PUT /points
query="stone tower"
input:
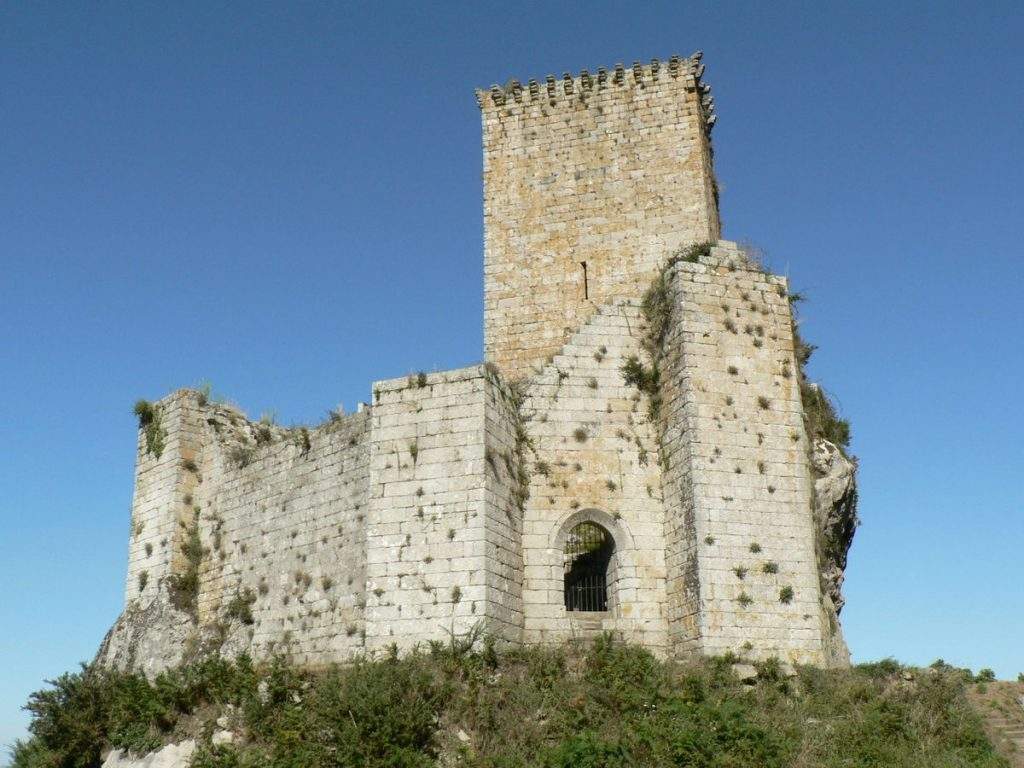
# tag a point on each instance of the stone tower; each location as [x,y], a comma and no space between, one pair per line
[548,494]
[589,181]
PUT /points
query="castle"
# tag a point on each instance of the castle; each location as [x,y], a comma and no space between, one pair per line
[633,456]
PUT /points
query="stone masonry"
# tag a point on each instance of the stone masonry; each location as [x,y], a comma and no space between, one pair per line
[449,505]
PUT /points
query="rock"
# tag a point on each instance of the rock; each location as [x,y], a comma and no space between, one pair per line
[171,756]
[147,638]
[835,513]
[462,736]
[222,737]
[835,502]
[747,673]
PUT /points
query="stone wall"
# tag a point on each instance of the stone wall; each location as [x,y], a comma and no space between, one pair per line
[596,458]
[280,517]
[161,484]
[445,506]
[612,170]
[745,563]
[442,538]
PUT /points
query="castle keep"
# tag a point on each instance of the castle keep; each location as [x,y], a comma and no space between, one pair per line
[633,456]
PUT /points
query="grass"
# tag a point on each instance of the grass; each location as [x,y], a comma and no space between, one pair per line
[240,607]
[607,705]
[150,423]
[647,379]
[184,586]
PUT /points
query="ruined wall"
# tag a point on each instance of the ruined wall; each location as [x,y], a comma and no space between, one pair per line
[161,484]
[279,515]
[445,506]
[442,545]
[282,516]
[596,458]
[611,169]
[736,423]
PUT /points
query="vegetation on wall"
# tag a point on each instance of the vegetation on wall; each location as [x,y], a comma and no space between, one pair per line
[607,705]
[184,585]
[150,423]
[821,417]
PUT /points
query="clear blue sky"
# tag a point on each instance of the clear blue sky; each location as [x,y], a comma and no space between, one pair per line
[286,200]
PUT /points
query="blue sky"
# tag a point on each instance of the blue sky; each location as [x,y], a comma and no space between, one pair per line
[285,200]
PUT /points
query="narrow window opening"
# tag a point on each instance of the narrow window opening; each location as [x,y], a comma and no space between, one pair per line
[588,552]
[586,285]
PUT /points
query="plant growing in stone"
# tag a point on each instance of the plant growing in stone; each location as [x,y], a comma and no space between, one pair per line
[770,567]
[580,435]
[786,595]
[150,423]
[184,586]
[740,571]
[143,580]
[241,455]
[744,599]
[240,607]
[303,441]
[755,547]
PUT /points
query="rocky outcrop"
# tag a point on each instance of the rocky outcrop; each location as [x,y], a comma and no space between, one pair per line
[171,756]
[835,515]
[148,639]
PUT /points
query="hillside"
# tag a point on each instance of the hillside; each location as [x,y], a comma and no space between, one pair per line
[608,704]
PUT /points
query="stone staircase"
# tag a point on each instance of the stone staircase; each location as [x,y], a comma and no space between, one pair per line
[1001,706]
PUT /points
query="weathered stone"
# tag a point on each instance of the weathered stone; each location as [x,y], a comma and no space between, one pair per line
[445,508]
[171,756]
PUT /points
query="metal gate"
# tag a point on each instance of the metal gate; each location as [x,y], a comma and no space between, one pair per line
[588,551]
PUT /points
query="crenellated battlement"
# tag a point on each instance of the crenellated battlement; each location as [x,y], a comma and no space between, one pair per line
[589,181]
[579,89]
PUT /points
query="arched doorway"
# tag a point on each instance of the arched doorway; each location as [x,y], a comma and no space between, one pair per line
[588,553]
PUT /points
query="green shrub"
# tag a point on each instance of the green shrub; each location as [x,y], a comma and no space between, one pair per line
[647,380]
[607,704]
[588,750]
[240,607]
[184,586]
[150,423]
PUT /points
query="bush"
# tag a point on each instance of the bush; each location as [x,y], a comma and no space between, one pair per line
[150,423]
[610,704]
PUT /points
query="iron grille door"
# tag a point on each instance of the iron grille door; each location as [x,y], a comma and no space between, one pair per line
[588,551]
